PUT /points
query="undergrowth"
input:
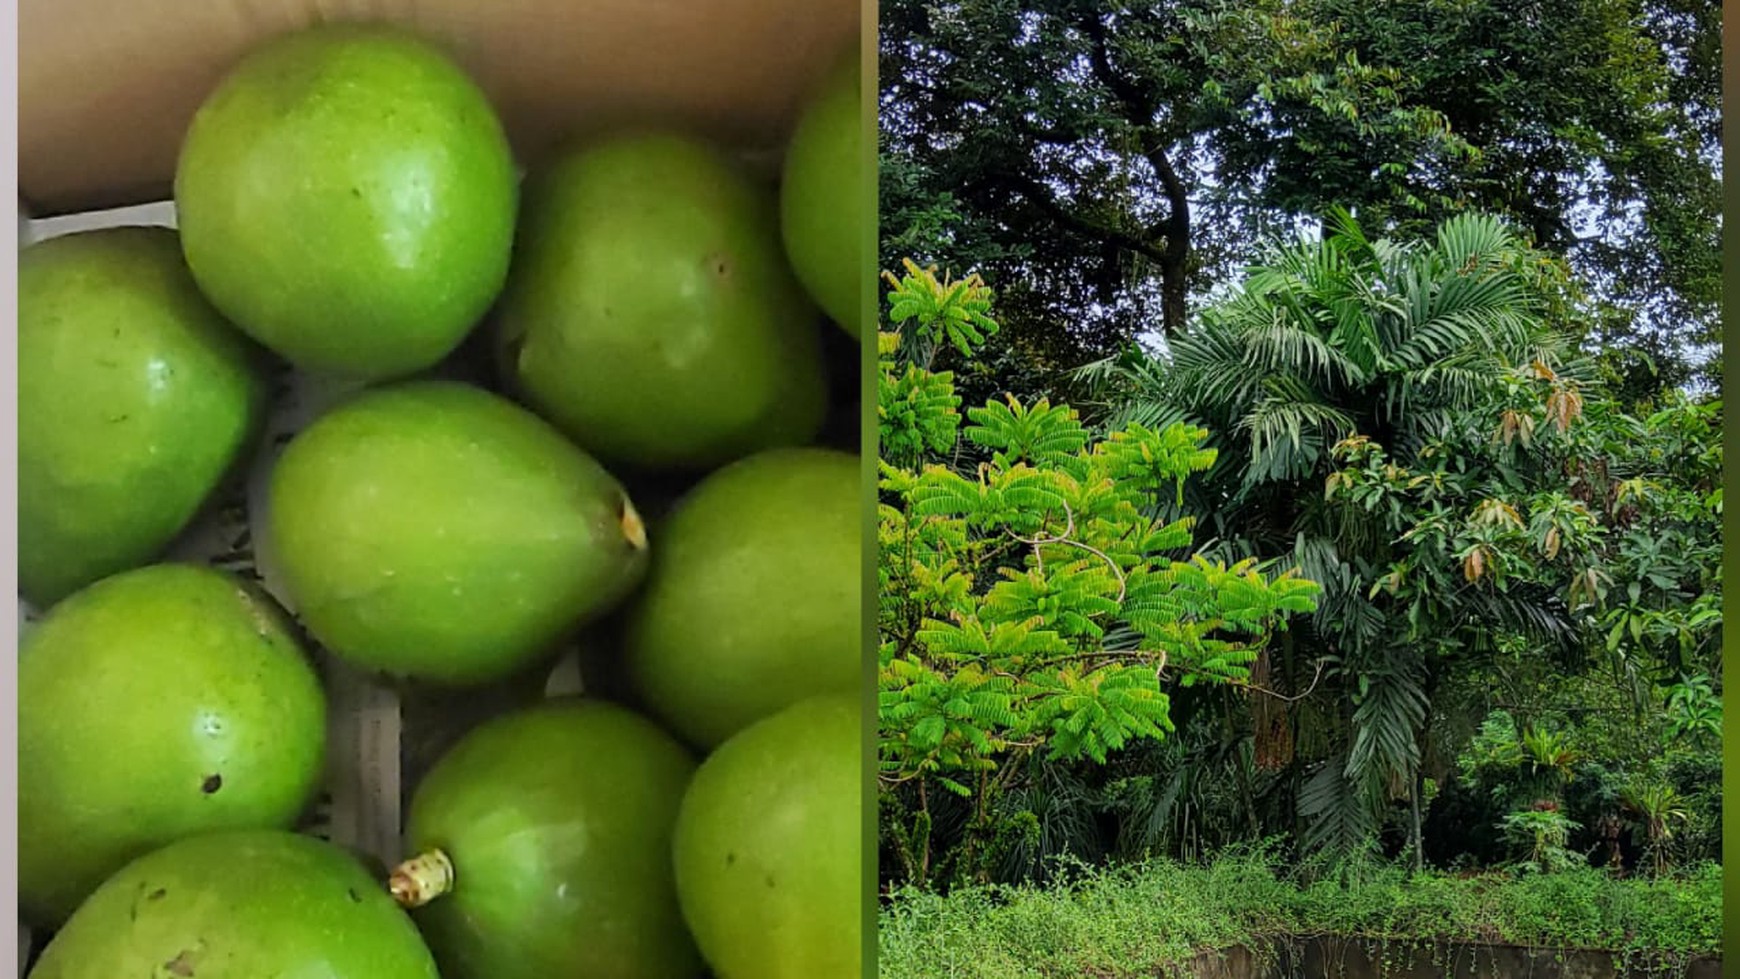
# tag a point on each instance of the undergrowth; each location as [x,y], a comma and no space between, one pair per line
[1151,919]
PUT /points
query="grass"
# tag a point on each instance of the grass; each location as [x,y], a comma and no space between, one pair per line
[1151,919]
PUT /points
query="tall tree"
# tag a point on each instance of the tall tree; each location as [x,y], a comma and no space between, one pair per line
[1104,162]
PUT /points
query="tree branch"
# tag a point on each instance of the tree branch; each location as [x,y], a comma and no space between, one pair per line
[1137,109]
[1063,538]
[1174,228]
[1039,196]
[1283,697]
[1139,112]
[1049,135]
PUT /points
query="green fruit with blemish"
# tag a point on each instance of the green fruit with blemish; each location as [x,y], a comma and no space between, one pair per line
[556,823]
[755,597]
[346,195]
[433,530]
[769,846]
[157,704]
[239,905]
[651,313]
[135,401]
[822,196]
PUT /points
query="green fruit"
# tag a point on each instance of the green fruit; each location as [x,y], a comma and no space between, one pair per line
[755,595]
[434,530]
[239,905]
[769,847]
[135,400]
[154,705]
[822,196]
[347,196]
[651,314]
[557,823]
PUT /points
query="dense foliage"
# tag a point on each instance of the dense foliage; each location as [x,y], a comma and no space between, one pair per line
[1392,547]
[1108,165]
[1036,606]
[1371,561]
[1400,421]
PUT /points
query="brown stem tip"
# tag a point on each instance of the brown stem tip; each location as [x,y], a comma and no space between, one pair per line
[421,879]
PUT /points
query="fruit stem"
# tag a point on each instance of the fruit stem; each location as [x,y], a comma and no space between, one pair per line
[633,528]
[421,879]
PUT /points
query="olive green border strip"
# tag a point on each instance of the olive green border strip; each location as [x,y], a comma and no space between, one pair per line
[1730,579]
[9,509]
[869,230]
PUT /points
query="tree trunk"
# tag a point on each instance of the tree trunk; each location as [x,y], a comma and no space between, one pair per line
[1423,741]
[1175,245]
[1246,798]
[1140,106]
[1250,803]
[1295,774]
[924,853]
[1419,840]
[1172,290]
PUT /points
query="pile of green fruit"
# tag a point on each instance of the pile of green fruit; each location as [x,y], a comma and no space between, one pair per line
[653,316]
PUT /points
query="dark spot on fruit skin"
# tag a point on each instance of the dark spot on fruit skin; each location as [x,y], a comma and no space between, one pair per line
[182,964]
[211,784]
[354,896]
[133,910]
[730,858]
[769,881]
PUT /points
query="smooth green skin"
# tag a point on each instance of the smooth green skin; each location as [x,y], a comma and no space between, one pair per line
[135,400]
[434,530]
[769,847]
[822,196]
[558,820]
[240,905]
[132,695]
[651,314]
[346,195]
[755,594]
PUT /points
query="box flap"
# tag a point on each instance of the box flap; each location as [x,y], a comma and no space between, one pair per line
[106,87]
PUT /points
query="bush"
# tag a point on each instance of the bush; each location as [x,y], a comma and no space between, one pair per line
[1151,918]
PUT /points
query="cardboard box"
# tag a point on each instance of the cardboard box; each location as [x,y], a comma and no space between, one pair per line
[106,89]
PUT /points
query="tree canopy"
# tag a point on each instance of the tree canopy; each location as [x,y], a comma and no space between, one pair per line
[1107,165]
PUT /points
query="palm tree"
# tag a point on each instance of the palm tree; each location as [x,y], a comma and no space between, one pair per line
[1326,342]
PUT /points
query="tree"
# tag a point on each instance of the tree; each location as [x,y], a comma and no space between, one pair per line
[1342,345]
[1594,130]
[1399,420]
[1104,163]
[1033,605]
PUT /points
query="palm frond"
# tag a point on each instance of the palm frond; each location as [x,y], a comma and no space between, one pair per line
[1340,812]
[1386,724]
[1288,435]
[1285,344]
